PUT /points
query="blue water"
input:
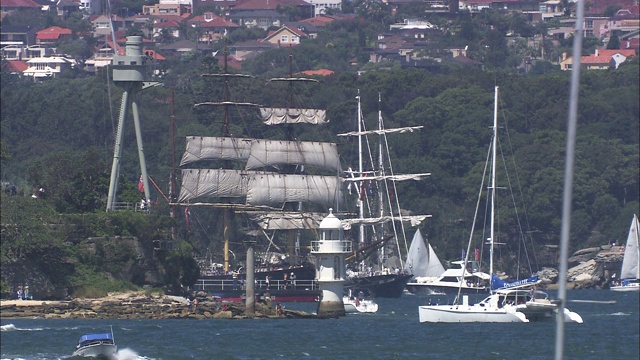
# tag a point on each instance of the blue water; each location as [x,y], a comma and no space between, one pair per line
[609,332]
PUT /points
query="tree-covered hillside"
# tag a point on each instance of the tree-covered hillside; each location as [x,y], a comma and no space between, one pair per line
[59,135]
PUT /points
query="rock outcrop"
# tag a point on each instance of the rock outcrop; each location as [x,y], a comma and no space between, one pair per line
[138,305]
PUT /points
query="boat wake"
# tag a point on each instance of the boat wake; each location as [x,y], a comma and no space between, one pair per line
[11,327]
[128,354]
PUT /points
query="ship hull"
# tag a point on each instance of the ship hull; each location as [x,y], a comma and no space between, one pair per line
[385,286]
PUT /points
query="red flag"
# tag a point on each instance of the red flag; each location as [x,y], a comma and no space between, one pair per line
[141,185]
[477,254]
[187,221]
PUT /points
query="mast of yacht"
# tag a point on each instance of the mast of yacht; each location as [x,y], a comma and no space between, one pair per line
[360,173]
[494,146]
[382,252]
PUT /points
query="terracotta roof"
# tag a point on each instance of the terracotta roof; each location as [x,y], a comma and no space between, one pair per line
[19,3]
[55,30]
[318,21]
[610,52]
[17,65]
[592,59]
[154,55]
[321,72]
[52,33]
[214,21]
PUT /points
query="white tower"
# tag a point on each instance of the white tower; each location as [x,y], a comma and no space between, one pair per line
[330,251]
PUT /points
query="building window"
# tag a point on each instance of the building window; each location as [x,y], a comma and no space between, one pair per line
[284,39]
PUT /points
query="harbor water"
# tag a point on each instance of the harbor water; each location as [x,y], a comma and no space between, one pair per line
[610,331]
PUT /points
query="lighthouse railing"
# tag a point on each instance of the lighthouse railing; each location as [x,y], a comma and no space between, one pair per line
[331,246]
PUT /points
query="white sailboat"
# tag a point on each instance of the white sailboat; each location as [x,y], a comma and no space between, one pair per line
[422,261]
[504,305]
[494,308]
[630,271]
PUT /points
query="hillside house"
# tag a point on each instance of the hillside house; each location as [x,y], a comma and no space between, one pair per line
[52,35]
[285,36]
[48,67]
[13,6]
[210,27]
[600,60]
[21,52]
[21,35]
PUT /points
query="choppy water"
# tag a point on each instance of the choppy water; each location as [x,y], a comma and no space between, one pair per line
[609,332]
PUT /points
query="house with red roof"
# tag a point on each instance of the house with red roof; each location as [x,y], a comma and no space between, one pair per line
[311,26]
[285,36]
[16,66]
[210,27]
[600,60]
[52,35]
[264,14]
[12,6]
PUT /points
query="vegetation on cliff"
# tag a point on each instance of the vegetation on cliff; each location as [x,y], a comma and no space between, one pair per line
[58,135]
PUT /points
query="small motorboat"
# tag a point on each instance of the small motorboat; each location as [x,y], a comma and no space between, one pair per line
[94,345]
[359,304]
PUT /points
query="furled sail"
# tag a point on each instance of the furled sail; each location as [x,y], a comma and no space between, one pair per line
[276,116]
[272,152]
[383,131]
[415,220]
[276,189]
[198,183]
[215,148]
[401,177]
[287,220]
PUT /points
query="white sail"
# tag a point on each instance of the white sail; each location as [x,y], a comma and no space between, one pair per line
[276,116]
[630,269]
[273,152]
[197,183]
[422,261]
[276,189]
[287,220]
[215,148]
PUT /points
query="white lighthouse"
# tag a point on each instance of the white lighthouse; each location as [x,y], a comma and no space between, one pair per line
[330,251]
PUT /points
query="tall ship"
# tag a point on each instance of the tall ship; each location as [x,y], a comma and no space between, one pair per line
[281,187]
[381,223]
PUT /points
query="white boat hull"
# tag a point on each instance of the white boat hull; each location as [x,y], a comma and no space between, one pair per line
[107,350]
[625,288]
[361,306]
[469,314]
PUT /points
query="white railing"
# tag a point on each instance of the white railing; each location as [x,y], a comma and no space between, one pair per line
[231,284]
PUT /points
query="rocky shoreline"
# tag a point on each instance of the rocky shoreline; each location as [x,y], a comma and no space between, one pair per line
[139,305]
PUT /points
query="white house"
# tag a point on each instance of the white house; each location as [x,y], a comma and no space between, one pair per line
[48,67]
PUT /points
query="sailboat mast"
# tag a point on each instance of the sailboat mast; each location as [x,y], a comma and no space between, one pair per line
[172,180]
[494,147]
[381,173]
[360,172]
